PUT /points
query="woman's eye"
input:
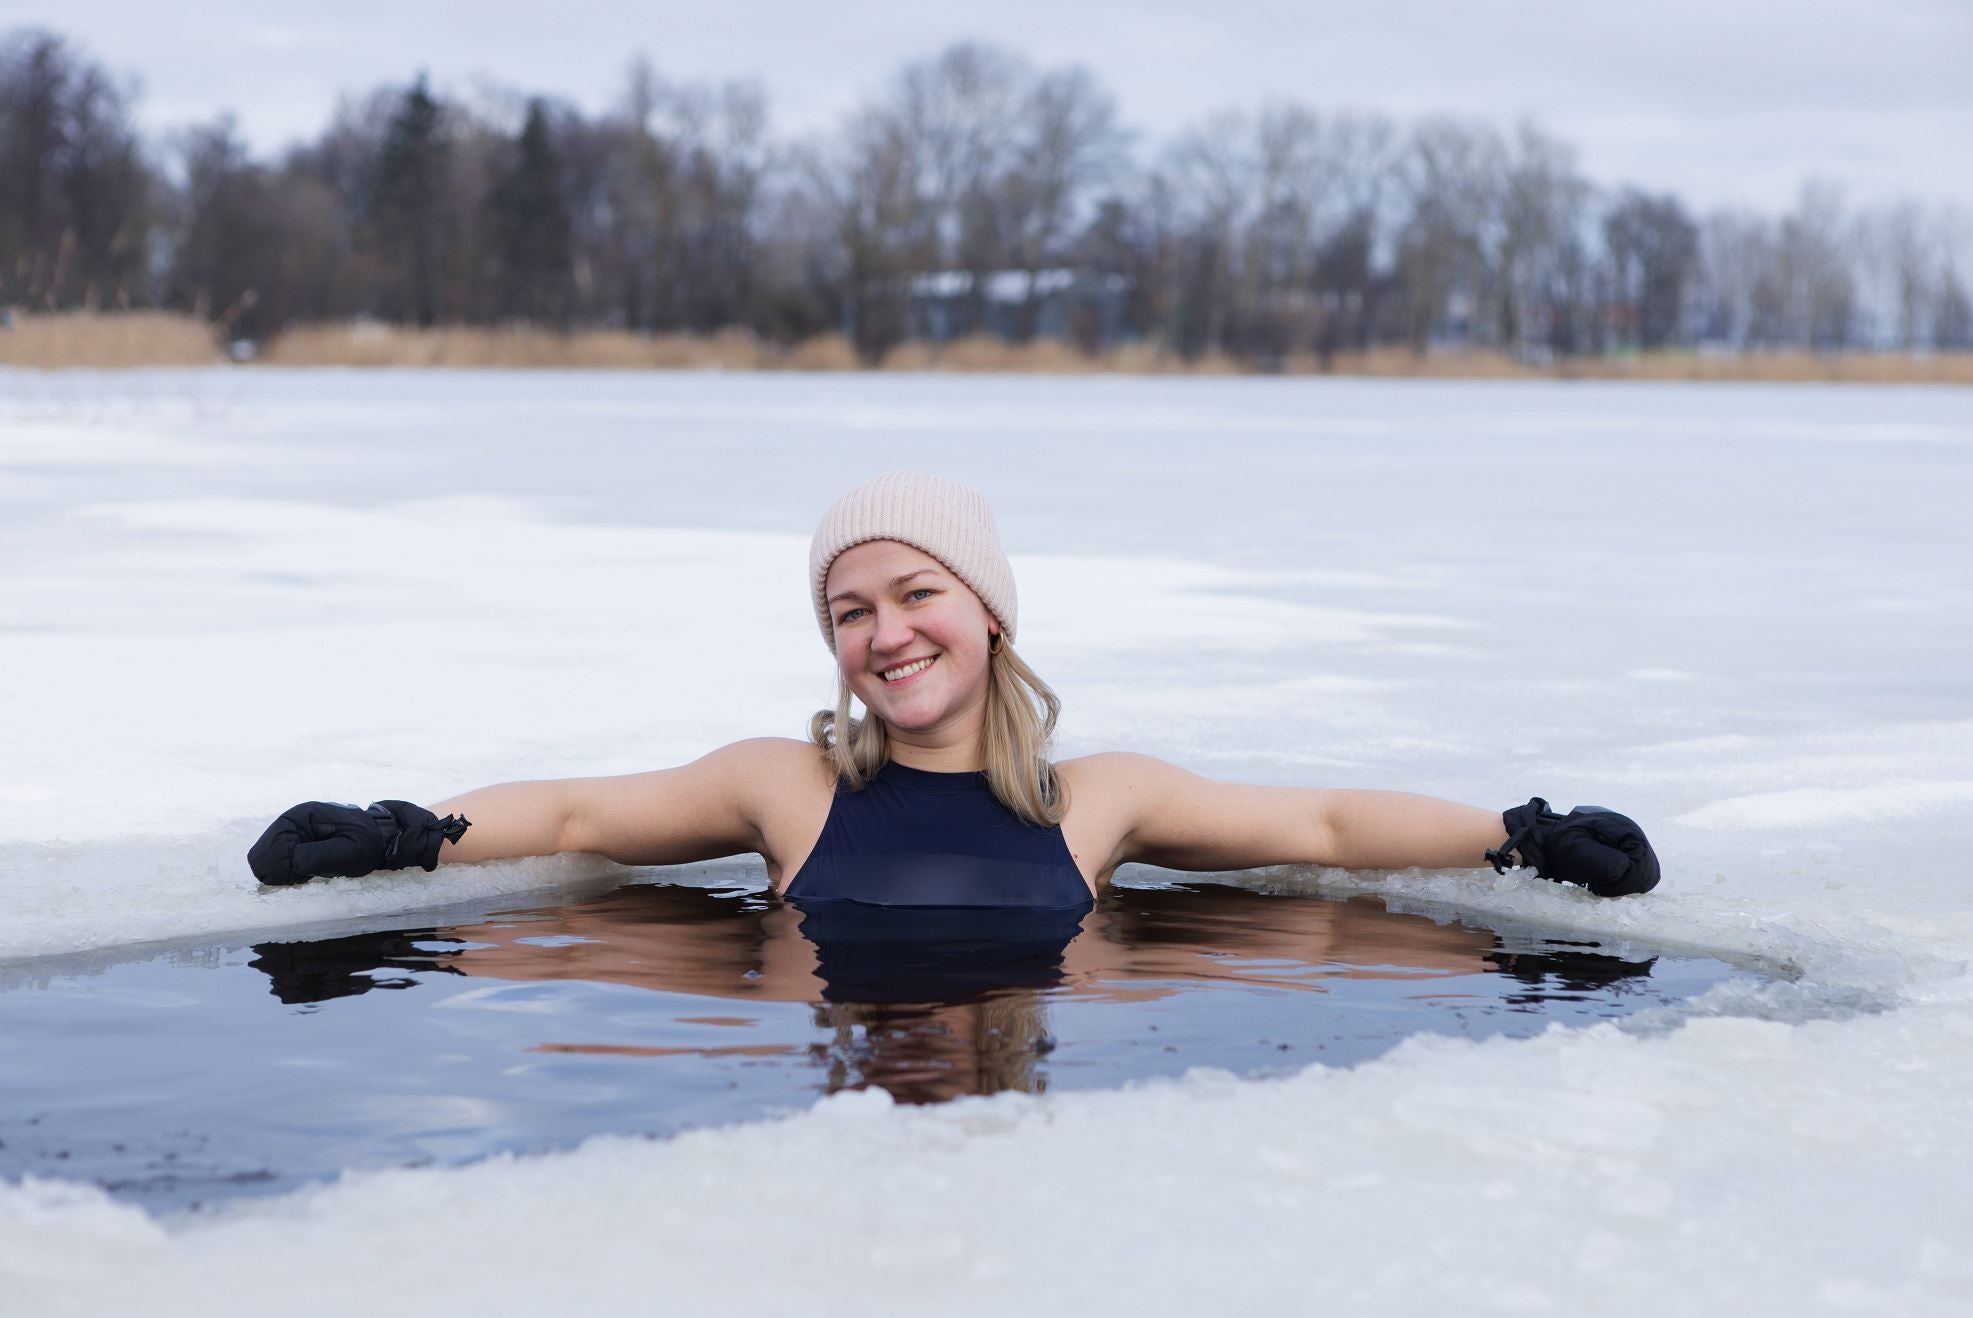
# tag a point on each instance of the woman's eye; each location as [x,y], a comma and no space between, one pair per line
[922,590]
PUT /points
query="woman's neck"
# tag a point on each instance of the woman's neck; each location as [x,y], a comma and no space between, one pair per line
[963,756]
[956,744]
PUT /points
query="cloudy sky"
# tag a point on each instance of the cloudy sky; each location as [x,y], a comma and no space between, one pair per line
[1723,101]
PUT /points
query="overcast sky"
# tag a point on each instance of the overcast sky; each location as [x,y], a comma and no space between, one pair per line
[1722,101]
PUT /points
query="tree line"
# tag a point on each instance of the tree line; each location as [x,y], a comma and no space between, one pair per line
[976,193]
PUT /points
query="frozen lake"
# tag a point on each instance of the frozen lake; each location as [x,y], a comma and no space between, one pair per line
[1742,615]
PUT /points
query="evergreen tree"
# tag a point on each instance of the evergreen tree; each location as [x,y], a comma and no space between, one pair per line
[532,219]
[405,212]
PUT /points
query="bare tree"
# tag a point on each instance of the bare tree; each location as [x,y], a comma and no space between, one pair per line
[1542,205]
[1211,175]
[1816,252]
[1653,247]
[1067,145]
[1952,315]
[78,201]
[1908,251]
[1450,176]
[870,186]
[958,112]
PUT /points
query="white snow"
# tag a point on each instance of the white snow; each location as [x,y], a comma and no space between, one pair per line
[1742,615]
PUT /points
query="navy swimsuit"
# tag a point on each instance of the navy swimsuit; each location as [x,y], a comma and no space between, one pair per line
[921,839]
[924,888]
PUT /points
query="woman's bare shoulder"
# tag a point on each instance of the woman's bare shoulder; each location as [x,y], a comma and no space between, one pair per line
[1105,795]
[782,755]
[1110,780]
[1125,785]
[1106,769]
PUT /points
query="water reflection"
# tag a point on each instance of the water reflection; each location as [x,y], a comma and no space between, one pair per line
[931,1005]
[329,968]
[1560,972]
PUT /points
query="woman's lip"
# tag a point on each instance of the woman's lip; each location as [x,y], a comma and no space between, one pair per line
[907,681]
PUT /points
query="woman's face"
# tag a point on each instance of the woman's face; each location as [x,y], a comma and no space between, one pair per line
[893,605]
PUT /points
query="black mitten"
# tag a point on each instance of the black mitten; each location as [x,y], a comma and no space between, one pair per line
[1600,849]
[319,839]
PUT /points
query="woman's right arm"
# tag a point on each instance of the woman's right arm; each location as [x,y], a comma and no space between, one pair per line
[509,819]
[698,811]
[711,807]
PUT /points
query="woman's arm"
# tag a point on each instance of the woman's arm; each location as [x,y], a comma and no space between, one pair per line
[510,819]
[1180,820]
[698,811]
[710,807]
[1374,830]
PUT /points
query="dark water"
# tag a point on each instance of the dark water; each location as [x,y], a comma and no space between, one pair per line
[201,1074]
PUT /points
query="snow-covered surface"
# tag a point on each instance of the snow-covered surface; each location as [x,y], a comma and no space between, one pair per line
[1742,615]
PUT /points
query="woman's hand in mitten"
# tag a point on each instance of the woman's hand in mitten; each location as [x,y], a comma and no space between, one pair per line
[1598,848]
[321,839]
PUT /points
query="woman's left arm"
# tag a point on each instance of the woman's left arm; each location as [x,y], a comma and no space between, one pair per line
[1180,820]
[1376,830]
[1177,819]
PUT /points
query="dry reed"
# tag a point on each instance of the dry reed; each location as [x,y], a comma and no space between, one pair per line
[1403,363]
[824,352]
[1782,367]
[106,340]
[985,354]
[95,339]
[370,343]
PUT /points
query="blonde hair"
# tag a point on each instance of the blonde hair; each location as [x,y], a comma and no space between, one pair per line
[985,1047]
[1020,719]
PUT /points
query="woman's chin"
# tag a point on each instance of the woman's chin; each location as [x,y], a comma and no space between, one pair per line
[907,720]
[918,706]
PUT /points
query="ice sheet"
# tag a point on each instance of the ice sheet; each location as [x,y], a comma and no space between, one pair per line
[1743,615]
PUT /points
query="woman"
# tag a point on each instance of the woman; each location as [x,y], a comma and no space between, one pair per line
[942,794]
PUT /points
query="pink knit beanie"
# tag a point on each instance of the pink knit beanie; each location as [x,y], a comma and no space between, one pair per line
[947,520]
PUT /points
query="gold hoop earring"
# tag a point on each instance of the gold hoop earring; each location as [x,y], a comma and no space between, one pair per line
[997,642]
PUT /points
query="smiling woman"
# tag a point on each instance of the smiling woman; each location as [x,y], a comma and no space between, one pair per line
[908,570]
[942,794]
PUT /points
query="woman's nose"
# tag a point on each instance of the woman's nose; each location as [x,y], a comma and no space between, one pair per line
[894,631]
